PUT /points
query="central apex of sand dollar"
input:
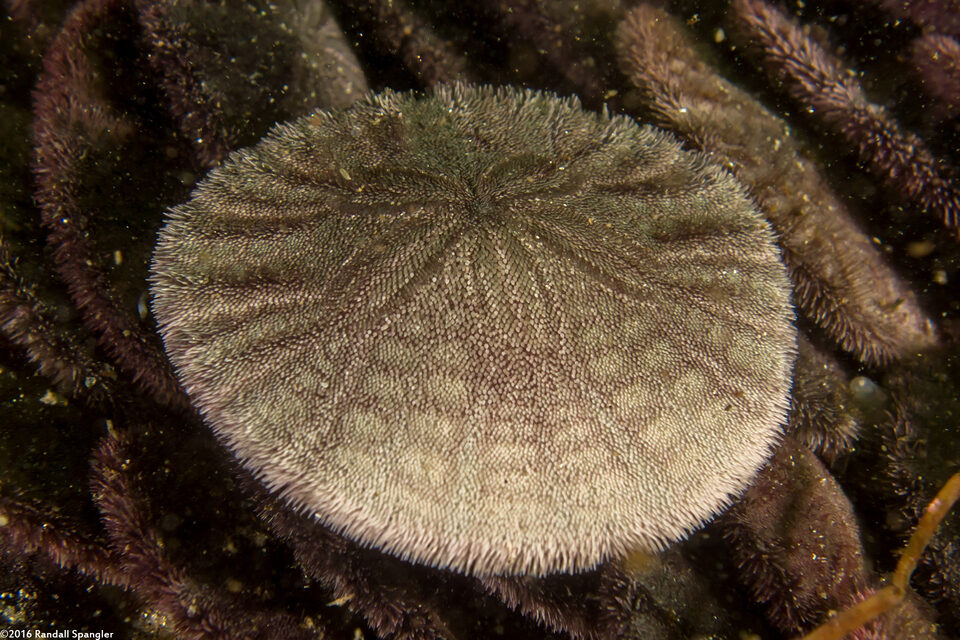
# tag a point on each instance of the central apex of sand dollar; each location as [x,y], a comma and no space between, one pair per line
[481,328]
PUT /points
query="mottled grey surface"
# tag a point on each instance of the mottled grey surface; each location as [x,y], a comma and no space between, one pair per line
[482,329]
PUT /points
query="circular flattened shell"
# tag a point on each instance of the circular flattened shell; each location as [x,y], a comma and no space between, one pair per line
[482,329]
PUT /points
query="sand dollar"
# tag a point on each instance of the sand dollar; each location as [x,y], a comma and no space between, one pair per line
[481,328]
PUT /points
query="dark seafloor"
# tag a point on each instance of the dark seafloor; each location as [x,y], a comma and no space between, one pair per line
[184,82]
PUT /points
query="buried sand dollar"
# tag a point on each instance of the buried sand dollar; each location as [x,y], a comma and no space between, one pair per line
[480,328]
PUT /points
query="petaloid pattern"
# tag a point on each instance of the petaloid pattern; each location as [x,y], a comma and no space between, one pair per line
[481,329]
